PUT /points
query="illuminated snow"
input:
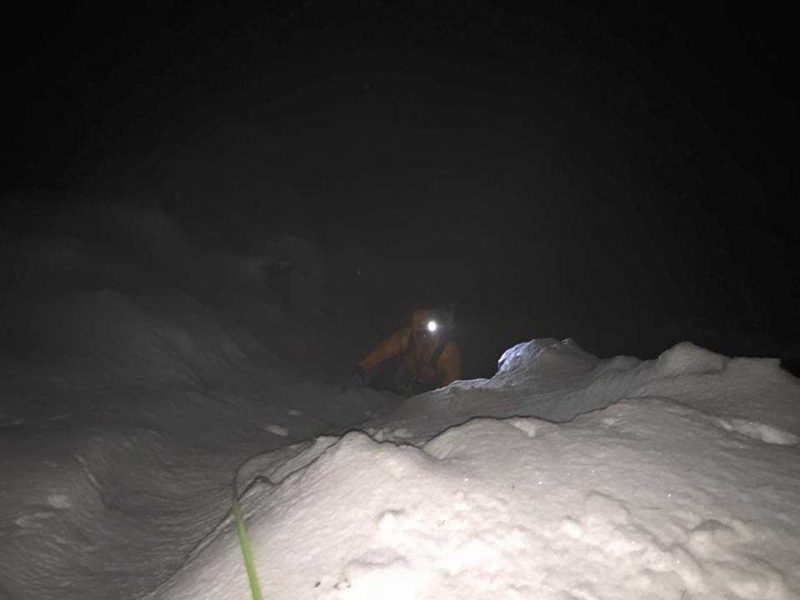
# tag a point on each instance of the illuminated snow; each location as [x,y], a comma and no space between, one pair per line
[645,498]
[564,476]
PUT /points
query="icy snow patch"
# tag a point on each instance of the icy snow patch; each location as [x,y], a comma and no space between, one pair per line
[545,355]
[759,431]
[276,430]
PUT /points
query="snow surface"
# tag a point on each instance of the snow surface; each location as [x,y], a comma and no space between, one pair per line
[139,384]
[139,371]
[609,491]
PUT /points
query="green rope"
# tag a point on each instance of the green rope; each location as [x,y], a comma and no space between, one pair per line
[247,553]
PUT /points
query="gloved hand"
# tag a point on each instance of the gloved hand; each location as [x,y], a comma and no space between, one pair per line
[358,378]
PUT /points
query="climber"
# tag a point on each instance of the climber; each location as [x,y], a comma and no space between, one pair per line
[419,357]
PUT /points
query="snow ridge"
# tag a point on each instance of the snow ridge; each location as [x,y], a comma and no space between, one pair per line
[648,497]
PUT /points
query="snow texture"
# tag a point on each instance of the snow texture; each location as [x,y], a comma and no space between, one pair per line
[640,496]
[135,395]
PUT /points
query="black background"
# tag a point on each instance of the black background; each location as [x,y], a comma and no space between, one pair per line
[621,173]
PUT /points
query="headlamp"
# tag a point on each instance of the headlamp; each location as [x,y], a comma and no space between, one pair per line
[432,326]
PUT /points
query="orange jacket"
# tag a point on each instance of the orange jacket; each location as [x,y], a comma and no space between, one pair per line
[416,352]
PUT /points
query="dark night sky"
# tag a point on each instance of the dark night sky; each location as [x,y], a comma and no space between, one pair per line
[617,174]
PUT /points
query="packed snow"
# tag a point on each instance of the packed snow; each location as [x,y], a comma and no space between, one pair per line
[613,480]
[141,388]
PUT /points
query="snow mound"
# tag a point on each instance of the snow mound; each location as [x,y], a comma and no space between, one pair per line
[636,501]
[686,358]
[652,481]
[147,332]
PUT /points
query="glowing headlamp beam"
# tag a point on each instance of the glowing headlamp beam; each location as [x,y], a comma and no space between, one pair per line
[432,326]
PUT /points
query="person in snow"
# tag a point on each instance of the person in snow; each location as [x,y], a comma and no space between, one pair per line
[419,357]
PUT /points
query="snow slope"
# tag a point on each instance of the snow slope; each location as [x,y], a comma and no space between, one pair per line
[143,372]
[130,396]
[564,476]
